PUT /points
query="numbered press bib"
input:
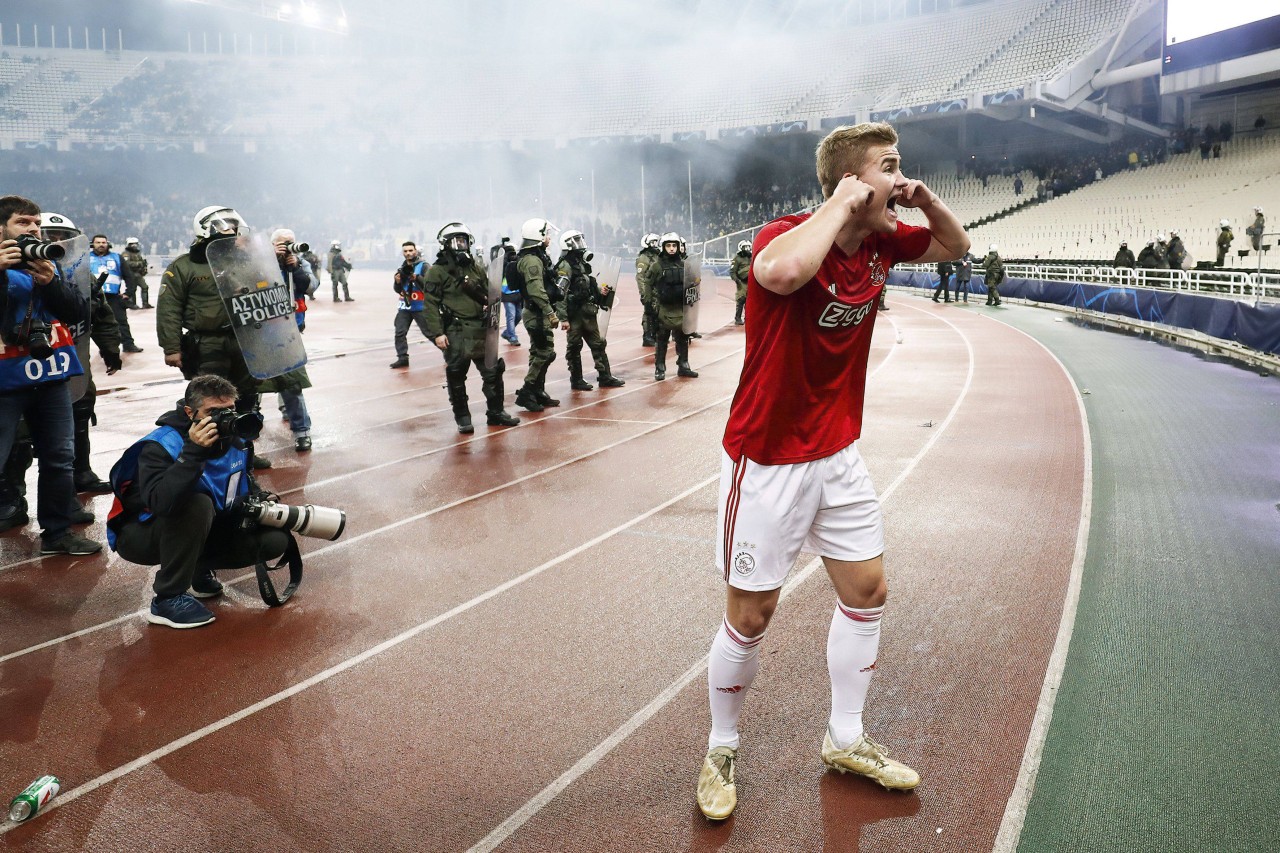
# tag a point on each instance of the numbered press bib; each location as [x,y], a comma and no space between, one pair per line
[18,369]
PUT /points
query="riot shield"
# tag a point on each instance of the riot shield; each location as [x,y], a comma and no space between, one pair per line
[493,314]
[259,304]
[607,272]
[74,269]
[692,292]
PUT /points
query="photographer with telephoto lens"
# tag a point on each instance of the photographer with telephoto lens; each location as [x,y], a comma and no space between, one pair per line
[37,309]
[178,495]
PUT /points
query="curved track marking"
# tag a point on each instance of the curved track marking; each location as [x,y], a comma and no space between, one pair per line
[1015,812]
[551,791]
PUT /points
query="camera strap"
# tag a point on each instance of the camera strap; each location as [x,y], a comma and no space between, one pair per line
[266,588]
[26,320]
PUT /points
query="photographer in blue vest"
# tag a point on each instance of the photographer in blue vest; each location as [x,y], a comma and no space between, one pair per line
[37,309]
[118,276]
[176,502]
[408,287]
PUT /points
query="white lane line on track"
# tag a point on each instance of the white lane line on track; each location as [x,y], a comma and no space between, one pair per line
[540,800]
[606,420]
[393,525]
[320,677]
[524,423]
[1015,810]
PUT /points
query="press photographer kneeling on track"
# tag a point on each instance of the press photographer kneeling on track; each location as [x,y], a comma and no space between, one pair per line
[186,501]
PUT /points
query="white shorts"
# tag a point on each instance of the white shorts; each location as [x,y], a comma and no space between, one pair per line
[768,514]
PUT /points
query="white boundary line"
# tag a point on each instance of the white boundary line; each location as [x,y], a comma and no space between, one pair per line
[320,677]
[1015,812]
[393,525]
[540,800]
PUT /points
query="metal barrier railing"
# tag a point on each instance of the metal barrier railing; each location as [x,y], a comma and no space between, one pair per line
[1239,285]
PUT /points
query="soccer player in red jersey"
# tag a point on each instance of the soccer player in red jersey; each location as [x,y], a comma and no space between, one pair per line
[792,478]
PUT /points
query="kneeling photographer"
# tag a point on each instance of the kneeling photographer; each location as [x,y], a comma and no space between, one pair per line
[185,500]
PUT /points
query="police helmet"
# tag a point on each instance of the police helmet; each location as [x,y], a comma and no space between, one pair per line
[1257,210]
[335,245]
[1124,245]
[992,248]
[535,231]
[671,237]
[573,241]
[55,226]
[744,246]
[1225,223]
[1160,238]
[650,241]
[132,241]
[455,237]
[217,219]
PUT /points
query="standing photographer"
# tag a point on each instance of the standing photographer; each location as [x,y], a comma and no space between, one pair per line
[119,279]
[176,492]
[38,358]
[408,286]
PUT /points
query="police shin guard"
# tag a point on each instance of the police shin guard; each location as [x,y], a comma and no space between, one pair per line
[737,314]
[457,387]
[682,358]
[576,382]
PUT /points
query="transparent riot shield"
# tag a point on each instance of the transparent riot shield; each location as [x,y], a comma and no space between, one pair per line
[493,312]
[692,292]
[74,269]
[259,304]
[607,271]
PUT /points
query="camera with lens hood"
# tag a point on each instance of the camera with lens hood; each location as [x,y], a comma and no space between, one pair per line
[243,425]
[35,249]
[319,522]
[298,248]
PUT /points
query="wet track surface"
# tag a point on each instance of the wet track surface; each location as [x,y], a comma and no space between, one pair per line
[506,646]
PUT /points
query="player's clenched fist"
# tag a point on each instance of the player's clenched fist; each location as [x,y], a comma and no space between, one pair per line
[853,194]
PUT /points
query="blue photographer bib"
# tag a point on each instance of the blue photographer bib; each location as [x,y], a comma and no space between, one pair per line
[416,300]
[222,479]
[112,265]
[18,369]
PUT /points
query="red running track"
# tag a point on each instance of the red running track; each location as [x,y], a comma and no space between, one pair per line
[506,648]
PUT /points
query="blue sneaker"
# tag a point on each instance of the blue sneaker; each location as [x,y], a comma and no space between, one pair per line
[178,611]
[205,585]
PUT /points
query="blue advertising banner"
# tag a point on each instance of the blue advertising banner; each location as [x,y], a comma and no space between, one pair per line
[1257,327]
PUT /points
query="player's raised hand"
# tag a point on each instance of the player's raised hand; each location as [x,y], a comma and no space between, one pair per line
[916,195]
[853,195]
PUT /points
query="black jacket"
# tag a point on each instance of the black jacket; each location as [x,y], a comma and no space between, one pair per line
[162,480]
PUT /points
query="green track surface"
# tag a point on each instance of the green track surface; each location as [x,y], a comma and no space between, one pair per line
[1166,729]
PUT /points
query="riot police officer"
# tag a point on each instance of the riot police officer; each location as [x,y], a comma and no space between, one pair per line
[457,299]
[537,283]
[1224,240]
[192,324]
[102,328]
[582,298]
[137,264]
[664,281]
[339,266]
[739,268]
[647,257]
[993,274]
[1124,258]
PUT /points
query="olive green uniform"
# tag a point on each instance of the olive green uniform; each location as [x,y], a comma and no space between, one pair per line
[993,275]
[338,268]
[581,306]
[649,321]
[1256,230]
[540,319]
[668,270]
[456,296]
[739,268]
[1225,237]
[189,300]
[137,263]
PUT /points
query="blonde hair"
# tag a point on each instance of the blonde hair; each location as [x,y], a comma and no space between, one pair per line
[845,150]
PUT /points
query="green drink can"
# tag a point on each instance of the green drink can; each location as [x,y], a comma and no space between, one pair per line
[34,798]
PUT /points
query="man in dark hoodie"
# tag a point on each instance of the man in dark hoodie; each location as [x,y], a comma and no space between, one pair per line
[176,492]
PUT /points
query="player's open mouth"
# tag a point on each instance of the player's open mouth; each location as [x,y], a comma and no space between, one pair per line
[892,206]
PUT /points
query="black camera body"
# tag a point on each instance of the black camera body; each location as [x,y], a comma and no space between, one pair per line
[243,425]
[35,249]
[38,341]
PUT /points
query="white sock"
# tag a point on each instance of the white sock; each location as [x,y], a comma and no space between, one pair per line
[731,667]
[852,646]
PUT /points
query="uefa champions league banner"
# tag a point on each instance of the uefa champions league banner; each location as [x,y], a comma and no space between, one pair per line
[1257,327]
